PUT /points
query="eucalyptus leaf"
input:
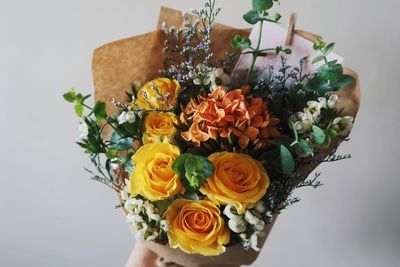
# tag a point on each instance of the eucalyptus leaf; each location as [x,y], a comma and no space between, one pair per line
[287,162]
[305,147]
[79,109]
[318,59]
[328,49]
[330,72]
[179,164]
[319,135]
[99,111]
[70,95]
[262,5]
[252,17]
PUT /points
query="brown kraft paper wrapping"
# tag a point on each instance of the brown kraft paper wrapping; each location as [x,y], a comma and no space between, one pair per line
[117,65]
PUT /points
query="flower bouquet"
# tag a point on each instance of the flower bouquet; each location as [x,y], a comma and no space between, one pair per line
[207,152]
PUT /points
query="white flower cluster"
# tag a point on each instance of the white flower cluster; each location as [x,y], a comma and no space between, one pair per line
[303,121]
[203,75]
[239,223]
[143,216]
[126,116]
[343,125]
[83,130]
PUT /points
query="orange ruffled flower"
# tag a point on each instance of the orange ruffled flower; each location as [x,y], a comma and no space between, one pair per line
[224,113]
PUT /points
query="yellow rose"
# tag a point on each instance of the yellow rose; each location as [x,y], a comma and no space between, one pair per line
[197,227]
[238,179]
[159,125]
[158,94]
[153,176]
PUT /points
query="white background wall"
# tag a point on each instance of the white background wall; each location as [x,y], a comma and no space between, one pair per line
[53,215]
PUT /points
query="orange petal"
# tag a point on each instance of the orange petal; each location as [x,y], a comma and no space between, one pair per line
[252,133]
[187,135]
[243,141]
[257,121]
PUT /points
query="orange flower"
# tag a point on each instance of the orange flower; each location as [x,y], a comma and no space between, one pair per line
[222,113]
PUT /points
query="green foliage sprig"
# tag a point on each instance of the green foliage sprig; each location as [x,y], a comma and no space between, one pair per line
[258,14]
[193,169]
[330,76]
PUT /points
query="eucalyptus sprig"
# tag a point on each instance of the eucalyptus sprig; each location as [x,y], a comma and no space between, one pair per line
[330,76]
[258,14]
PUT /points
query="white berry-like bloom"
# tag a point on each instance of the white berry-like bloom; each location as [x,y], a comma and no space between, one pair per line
[230,211]
[83,131]
[126,116]
[125,193]
[164,224]
[141,229]
[237,224]
[332,101]
[314,108]
[343,125]
[218,78]
[302,121]
[254,220]
[260,207]
[201,75]
[254,241]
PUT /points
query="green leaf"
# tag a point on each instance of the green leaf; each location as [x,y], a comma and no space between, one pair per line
[319,135]
[179,164]
[343,82]
[190,195]
[328,49]
[119,143]
[79,109]
[198,169]
[70,95]
[252,17]
[240,43]
[99,111]
[287,162]
[111,153]
[319,44]
[305,147]
[318,59]
[262,5]
[330,72]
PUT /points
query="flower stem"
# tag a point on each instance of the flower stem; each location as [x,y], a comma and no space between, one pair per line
[255,55]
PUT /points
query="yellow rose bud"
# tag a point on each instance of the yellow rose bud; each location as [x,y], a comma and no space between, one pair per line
[197,227]
[153,176]
[238,179]
[159,126]
[158,94]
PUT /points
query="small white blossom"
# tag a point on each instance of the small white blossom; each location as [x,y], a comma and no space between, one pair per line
[302,121]
[343,125]
[201,75]
[125,193]
[314,108]
[230,211]
[254,220]
[237,224]
[141,231]
[254,241]
[260,207]
[164,224]
[83,131]
[332,101]
[218,78]
[126,116]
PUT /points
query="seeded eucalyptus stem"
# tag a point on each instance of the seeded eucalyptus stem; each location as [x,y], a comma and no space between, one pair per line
[255,53]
